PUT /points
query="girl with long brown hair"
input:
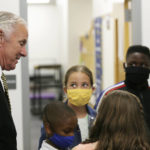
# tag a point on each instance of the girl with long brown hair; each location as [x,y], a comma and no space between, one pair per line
[119,125]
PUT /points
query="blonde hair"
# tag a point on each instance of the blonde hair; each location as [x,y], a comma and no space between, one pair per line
[78,68]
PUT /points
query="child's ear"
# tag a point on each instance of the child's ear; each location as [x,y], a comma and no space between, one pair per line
[124,65]
[47,129]
[65,89]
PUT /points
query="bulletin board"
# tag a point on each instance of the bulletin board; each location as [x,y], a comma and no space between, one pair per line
[87,56]
[91,52]
[98,54]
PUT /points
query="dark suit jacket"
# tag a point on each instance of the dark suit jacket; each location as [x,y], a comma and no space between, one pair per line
[7,128]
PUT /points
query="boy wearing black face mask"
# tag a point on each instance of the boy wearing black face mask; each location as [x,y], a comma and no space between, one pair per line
[59,122]
[137,69]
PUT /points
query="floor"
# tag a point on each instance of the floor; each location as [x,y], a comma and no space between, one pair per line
[35,131]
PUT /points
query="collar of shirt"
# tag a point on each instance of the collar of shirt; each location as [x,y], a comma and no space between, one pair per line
[46,146]
[0,71]
[0,77]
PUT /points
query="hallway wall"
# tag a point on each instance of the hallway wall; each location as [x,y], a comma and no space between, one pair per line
[145,11]
[104,9]
[44,23]
[54,32]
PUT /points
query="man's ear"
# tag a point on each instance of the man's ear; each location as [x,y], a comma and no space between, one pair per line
[1,37]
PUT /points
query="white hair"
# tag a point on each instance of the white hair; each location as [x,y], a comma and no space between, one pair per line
[8,21]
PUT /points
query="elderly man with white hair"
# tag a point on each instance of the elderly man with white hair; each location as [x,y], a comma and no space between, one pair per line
[13,38]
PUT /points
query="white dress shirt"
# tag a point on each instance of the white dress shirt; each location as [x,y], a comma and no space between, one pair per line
[0,77]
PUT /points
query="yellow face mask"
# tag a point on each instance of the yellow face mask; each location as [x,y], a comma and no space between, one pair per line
[79,97]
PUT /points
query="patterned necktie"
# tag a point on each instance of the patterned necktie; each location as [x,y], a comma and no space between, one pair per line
[3,77]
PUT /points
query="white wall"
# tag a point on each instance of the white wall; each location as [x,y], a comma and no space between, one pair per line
[145,24]
[44,34]
[108,52]
[145,11]
[13,6]
[55,30]
[63,9]
[104,9]
[79,23]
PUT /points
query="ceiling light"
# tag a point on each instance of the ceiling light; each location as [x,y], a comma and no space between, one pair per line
[38,1]
[119,1]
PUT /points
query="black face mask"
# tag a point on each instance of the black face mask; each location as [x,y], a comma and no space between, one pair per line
[137,75]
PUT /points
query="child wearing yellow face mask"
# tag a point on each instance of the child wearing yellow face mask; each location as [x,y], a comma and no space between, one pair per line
[78,86]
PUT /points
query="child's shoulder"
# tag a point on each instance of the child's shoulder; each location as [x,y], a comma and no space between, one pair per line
[91,111]
[88,146]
